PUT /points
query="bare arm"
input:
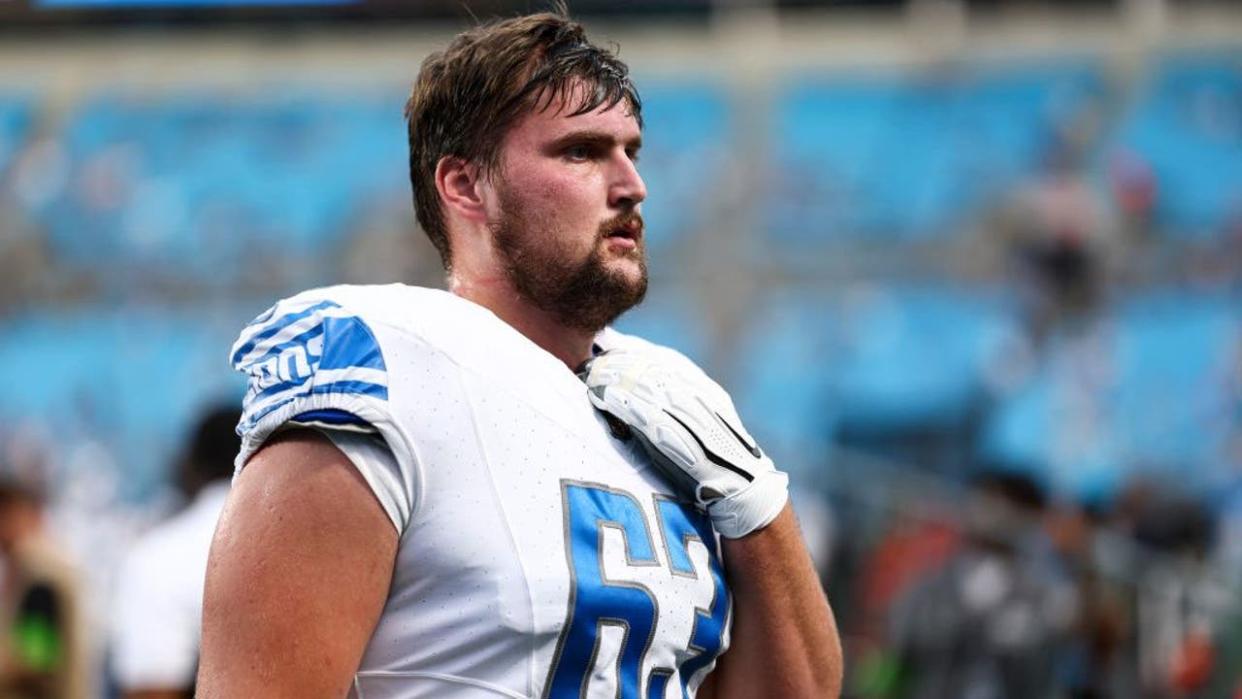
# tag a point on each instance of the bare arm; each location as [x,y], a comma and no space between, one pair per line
[297,577]
[784,638]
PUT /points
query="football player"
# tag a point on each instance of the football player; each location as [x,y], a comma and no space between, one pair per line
[156,610]
[485,491]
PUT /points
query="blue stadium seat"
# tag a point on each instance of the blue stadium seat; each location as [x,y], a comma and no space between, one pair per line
[1176,354]
[667,318]
[16,120]
[915,355]
[685,140]
[907,157]
[197,181]
[783,378]
[132,377]
[1045,426]
[890,358]
[1185,125]
[1149,392]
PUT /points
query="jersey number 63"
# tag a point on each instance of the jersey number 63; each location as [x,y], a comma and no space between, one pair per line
[596,601]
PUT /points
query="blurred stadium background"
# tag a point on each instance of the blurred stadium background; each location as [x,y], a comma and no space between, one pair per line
[971,269]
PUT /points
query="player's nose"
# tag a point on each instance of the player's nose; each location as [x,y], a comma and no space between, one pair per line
[628,188]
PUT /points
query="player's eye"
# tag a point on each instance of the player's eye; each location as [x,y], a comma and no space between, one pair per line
[633,155]
[580,151]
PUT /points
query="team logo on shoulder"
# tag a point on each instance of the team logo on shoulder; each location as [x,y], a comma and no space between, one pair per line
[315,350]
[293,365]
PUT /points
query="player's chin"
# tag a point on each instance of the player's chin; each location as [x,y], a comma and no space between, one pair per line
[630,269]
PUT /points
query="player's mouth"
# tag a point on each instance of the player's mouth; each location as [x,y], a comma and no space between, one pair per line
[624,234]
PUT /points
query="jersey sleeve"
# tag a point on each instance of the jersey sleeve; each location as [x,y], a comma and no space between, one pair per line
[313,362]
[379,468]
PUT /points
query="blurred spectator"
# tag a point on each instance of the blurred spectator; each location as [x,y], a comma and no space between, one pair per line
[1060,235]
[1183,605]
[914,547]
[1093,664]
[988,624]
[156,617]
[42,651]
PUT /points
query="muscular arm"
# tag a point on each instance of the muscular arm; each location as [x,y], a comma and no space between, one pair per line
[297,577]
[784,638]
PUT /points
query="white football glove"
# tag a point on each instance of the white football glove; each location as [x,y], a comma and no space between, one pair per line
[690,429]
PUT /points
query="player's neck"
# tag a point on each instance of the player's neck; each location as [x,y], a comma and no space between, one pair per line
[570,345]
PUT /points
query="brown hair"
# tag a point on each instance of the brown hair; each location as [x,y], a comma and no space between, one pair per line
[467,96]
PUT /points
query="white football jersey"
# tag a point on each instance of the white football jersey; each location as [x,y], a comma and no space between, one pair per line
[540,556]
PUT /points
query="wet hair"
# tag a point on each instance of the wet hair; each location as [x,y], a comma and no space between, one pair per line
[468,96]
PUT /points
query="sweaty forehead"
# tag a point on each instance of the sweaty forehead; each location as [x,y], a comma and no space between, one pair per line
[555,118]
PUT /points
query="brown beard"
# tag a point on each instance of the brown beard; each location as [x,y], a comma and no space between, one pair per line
[585,295]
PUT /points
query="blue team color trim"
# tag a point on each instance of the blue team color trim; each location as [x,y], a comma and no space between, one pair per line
[679,524]
[350,388]
[299,340]
[594,599]
[276,326]
[349,344]
[331,416]
[283,387]
[355,388]
[340,344]
[656,683]
[279,388]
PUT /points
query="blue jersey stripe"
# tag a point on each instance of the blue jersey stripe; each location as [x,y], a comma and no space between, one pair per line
[276,326]
[357,388]
[353,388]
[282,387]
[330,352]
[295,341]
[349,344]
[331,416]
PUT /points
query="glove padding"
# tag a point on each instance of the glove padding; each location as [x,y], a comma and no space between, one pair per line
[688,426]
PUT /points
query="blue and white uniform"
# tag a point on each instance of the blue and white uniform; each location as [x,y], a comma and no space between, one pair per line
[539,556]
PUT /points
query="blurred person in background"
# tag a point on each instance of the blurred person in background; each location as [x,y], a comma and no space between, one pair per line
[1062,240]
[157,613]
[1184,607]
[433,503]
[1093,663]
[919,537]
[988,624]
[42,648]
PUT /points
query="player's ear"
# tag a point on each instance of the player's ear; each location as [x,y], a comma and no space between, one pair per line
[460,185]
